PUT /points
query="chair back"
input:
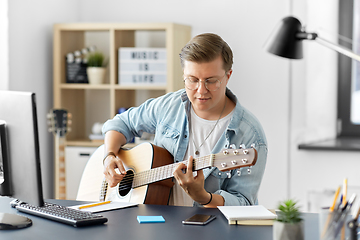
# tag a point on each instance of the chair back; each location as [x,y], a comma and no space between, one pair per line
[92,177]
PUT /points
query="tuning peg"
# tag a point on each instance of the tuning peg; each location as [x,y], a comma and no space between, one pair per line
[253,145]
[239,172]
[249,170]
[69,122]
[69,129]
[242,146]
[233,146]
[228,174]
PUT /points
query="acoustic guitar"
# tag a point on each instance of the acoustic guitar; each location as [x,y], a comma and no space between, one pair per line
[149,170]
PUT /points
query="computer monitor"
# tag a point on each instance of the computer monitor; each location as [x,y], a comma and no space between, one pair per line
[20,175]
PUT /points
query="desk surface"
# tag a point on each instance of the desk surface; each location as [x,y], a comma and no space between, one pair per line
[122,224]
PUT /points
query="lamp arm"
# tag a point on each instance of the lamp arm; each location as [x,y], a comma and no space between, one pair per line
[343,50]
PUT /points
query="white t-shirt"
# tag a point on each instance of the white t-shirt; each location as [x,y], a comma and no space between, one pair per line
[199,130]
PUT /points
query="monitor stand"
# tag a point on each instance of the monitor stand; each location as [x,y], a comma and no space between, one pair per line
[13,221]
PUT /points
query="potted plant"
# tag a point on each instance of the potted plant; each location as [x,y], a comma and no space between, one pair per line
[289,224]
[96,68]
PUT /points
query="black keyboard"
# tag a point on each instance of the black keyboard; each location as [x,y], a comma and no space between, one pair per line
[61,214]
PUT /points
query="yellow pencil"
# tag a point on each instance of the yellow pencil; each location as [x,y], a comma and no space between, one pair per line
[335,199]
[94,204]
[331,209]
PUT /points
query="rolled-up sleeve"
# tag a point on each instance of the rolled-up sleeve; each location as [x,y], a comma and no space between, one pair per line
[134,121]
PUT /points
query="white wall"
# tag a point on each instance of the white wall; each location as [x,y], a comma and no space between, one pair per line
[314,108]
[260,80]
[30,60]
[4,45]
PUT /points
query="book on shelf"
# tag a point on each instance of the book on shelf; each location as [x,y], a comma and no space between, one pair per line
[248,215]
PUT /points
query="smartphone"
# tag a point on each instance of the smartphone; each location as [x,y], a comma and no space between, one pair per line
[199,219]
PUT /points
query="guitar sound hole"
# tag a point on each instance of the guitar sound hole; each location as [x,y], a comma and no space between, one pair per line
[126,184]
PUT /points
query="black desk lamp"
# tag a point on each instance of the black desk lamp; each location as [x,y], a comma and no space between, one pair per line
[286,40]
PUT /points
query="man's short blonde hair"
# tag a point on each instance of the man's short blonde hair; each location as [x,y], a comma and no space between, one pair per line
[207,47]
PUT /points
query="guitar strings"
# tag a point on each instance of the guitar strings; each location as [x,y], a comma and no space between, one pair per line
[142,178]
[165,171]
[151,173]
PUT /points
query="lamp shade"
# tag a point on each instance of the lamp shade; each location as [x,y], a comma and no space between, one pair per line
[284,41]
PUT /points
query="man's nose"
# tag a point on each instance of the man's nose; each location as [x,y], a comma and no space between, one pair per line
[202,87]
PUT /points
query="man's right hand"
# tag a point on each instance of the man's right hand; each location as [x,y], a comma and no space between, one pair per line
[114,170]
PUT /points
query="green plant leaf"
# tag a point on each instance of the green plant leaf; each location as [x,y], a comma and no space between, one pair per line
[95,59]
[289,212]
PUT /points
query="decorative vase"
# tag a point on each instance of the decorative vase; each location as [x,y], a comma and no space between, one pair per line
[96,75]
[288,231]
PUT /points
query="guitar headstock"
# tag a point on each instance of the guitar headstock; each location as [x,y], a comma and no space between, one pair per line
[59,121]
[229,159]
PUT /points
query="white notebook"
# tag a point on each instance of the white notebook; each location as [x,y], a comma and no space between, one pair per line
[256,212]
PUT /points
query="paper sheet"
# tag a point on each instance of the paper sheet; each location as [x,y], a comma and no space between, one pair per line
[255,212]
[105,207]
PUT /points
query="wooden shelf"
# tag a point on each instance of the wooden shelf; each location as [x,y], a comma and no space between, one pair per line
[110,86]
[96,103]
[84,86]
[84,143]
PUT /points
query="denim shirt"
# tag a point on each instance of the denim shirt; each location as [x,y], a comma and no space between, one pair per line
[168,118]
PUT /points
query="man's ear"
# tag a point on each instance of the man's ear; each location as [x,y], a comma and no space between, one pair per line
[228,74]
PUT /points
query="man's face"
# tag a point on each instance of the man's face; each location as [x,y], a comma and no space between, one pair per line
[207,104]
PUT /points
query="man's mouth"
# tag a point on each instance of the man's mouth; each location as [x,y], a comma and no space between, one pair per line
[203,98]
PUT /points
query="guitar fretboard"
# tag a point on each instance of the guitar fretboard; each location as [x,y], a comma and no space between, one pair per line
[60,183]
[165,172]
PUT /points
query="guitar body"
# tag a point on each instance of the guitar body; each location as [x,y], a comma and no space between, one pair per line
[139,159]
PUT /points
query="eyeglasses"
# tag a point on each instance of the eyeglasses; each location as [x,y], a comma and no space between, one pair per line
[211,84]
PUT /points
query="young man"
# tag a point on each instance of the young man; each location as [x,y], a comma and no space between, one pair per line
[201,119]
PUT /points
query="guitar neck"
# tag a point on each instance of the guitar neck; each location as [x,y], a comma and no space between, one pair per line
[165,172]
[60,184]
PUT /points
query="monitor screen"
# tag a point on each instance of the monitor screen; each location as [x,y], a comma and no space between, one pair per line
[20,174]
